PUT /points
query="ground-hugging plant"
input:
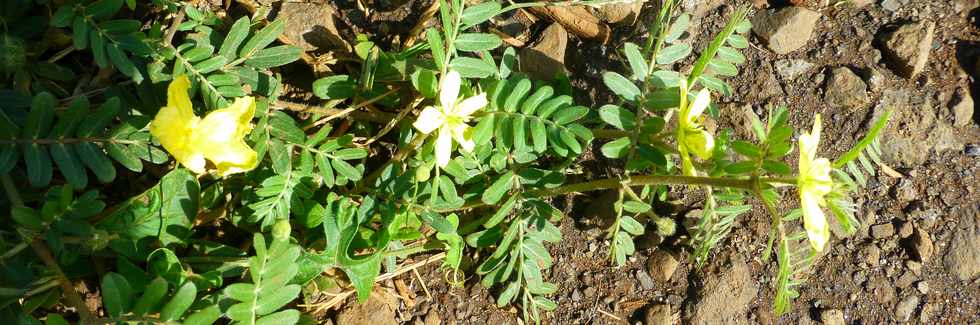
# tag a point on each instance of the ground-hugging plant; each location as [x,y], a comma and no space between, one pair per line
[442,147]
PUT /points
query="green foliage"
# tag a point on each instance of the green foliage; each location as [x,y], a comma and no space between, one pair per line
[351,185]
[270,270]
[76,140]
[222,65]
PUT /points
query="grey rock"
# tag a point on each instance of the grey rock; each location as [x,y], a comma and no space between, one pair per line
[662,265]
[726,300]
[963,256]
[576,295]
[546,58]
[905,280]
[832,317]
[907,48]
[432,318]
[893,5]
[905,308]
[904,191]
[658,315]
[921,244]
[787,29]
[923,287]
[871,254]
[700,8]
[906,229]
[884,230]
[311,26]
[789,69]
[845,89]
[962,107]
[914,134]
[860,3]
[914,266]
[645,281]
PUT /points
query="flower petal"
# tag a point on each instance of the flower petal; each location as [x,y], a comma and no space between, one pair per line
[220,137]
[463,135]
[174,124]
[701,102]
[444,147]
[700,142]
[470,105]
[817,229]
[235,157]
[177,96]
[449,89]
[429,120]
[810,141]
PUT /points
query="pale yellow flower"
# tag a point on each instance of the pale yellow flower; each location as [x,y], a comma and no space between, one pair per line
[219,137]
[813,184]
[450,118]
[691,135]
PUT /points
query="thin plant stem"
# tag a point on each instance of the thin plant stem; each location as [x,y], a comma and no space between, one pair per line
[42,251]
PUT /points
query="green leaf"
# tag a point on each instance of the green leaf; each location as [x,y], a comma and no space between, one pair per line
[164,211]
[536,99]
[204,316]
[621,86]
[631,226]
[479,13]
[346,170]
[69,165]
[729,54]
[96,161]
[502,212]
[475,42]
[746,149]
[40,117]
[335,87]
[617,148]
[116,294]
[274,56]
[678,28]
[123,63]
[26,217]
[508,61]
[272,301]
[236,34]
[285,317]
[722,68]
[472,67]
[673,53]
[496,191]
[738,41]
[425,82]
[211,64]
[262,38]
[618,117]
[151,298]
[636,61]
[436,47]
[636,207]
[179,303]
[38,163]
[570,114]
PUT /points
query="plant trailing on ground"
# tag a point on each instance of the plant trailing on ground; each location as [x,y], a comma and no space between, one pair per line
[440,148]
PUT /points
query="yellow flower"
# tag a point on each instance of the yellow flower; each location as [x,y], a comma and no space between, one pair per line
[813,184]
[691,135]
[450,118]
[219,137]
